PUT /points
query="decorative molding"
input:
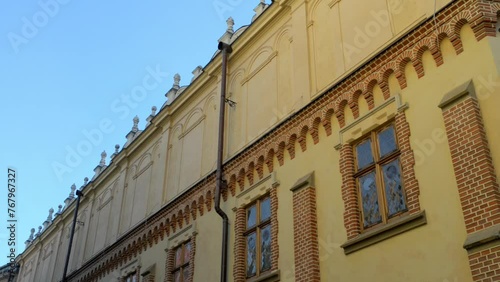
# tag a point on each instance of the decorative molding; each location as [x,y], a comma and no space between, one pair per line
[304,182]
[482,237]
[332,3]
[259,68]
[187,130]
[391,229]
[182,236]
[256,190]
[142,170]
[458,94]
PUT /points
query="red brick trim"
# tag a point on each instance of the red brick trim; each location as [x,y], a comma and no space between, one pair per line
[239,272]
[239,245]
[305,235]
[474,171]
[352,217]
[485,264]
[476,180]
[169,263]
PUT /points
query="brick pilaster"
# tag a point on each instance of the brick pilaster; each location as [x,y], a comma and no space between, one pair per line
[305,231]
[476,181]
[349,193]
[169,265]
[239,246]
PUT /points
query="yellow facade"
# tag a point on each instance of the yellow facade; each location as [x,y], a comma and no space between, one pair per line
[294,55]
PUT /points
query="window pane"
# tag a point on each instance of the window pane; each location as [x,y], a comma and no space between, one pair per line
[185,274]
[178,257]
[251,254]
[265,250]
[187,252]
[364,154]
[387,141]
[251,216]
[393,188]
[265,209]
[369,199]
[177,276]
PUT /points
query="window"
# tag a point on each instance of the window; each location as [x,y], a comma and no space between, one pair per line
[378,177]
[182,257]
[258,237]
[132,277]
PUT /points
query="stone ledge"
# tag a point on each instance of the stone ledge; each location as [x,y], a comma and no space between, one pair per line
[482,237]
[401,225]
[455,95]
[305,181]
[271,276]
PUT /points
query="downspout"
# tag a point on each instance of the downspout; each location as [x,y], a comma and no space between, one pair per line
[225,49]
[79,194]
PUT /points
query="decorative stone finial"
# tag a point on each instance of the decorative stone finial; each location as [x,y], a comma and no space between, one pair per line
[103,158]
[151,116]
[30,238]
[59,210]
[51,211]
[230,25]
[72,193]
[117,151]
[259,9]
[196,72]
[177,80]
[135,128]
[39,231]
[85,181]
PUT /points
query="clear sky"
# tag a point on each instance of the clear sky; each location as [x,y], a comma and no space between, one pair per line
[71,75]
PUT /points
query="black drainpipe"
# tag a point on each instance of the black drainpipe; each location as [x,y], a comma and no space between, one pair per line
[226,49]
[79,194]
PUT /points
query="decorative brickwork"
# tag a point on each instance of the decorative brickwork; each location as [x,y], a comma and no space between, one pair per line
[352,216]
[169,264]
[239,245]
[407,159]
[305,235]
[476,181]
[481,15]
[485,264]
[239,272]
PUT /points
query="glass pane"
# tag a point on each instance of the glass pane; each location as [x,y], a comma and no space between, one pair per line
[178,257]
[177,276]
[185,274]
[364,154]
[369,200]
[251,216]
[265,209]
[187,252]
[265,249]
[393,188]
[387,141]
[251,255]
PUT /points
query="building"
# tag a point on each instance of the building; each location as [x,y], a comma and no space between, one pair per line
[359,146]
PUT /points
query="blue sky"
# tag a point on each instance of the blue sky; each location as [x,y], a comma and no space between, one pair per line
[66,70]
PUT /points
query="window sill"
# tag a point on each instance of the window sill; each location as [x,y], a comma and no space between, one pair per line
[387,231]
[271,276]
